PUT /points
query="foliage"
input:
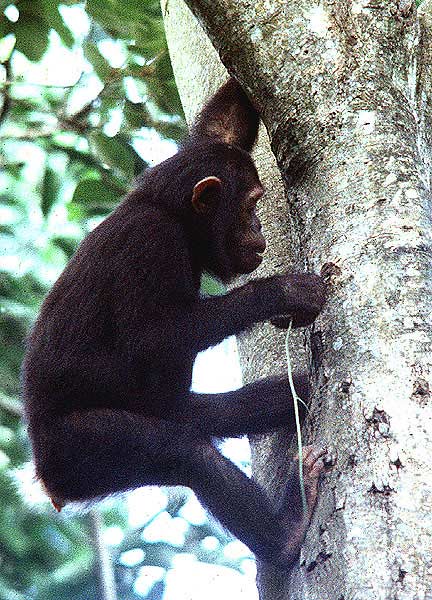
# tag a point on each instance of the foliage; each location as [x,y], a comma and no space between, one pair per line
[83,92]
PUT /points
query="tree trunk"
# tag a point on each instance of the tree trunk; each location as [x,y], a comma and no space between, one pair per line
[344,91]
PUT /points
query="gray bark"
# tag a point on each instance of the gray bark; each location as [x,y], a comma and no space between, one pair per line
[344,90]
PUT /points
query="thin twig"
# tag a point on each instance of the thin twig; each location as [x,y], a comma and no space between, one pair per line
[6,96]
[106,571]
[10,82]
[296,400]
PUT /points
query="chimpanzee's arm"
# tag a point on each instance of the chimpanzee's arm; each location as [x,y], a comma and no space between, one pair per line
[208,321]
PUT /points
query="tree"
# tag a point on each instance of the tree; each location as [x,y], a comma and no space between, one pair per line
[344,89]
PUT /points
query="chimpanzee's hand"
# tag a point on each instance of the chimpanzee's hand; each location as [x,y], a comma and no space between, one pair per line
[305,295]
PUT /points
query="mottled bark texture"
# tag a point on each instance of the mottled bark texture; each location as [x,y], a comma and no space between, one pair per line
[344,88]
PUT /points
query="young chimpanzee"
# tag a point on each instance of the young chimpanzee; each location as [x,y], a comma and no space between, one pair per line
[107,373]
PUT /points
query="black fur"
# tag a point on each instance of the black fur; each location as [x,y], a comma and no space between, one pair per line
[108,367]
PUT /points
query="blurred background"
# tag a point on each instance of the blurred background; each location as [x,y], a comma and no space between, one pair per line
[87,101]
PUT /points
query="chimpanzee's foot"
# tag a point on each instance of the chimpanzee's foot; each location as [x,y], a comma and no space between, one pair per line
[295,520]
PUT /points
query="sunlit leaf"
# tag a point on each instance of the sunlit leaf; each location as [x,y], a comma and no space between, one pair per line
[92,193]
[211,286]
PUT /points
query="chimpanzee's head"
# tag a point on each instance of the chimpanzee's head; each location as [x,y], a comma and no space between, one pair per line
[226,186]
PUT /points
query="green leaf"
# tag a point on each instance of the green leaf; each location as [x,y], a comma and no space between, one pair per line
[98,62]
[211,286]
[14,168]
[7,435]
[75,213]
[50,189]
[77,156]
[162,88]
[54,18]
[104,12]
[136,115]
[111,101]
[114,152]
[7,230]
[93,195]
[6,27]
[149,38]
[31,33]
[67,244]
[174,131]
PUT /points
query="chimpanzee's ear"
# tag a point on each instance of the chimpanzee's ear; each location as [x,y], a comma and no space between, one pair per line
[206,194]
[229,117]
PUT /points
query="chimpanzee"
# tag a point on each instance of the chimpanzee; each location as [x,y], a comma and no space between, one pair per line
[107,372]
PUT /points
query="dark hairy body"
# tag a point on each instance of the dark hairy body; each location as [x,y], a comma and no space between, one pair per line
[107,372]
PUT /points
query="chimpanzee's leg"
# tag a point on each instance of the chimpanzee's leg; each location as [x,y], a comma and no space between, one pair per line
[91,454]
[95,453]
[255,408]
[274,534]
